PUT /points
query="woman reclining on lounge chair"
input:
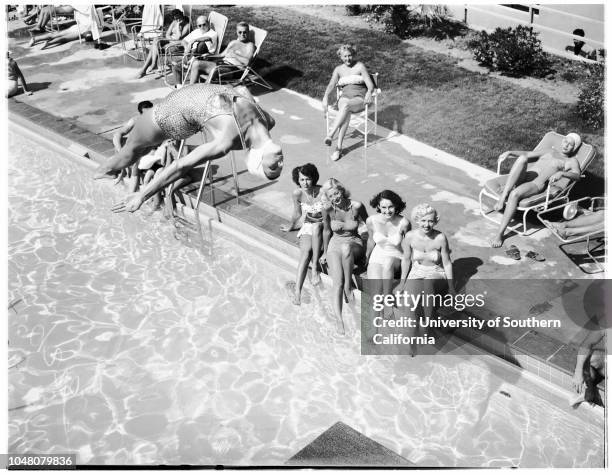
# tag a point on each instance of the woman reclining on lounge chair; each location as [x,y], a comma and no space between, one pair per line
[581,225]
[551,165]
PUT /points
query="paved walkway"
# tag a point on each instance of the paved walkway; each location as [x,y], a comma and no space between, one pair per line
[97,91]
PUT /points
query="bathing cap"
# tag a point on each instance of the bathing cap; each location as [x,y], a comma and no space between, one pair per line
[576,138]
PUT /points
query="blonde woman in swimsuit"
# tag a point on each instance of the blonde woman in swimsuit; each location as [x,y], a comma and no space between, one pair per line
[342,245]
[426,263]
[357,87]
[307,204]
[386,230]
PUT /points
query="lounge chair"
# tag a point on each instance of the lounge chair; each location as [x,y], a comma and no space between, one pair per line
[363,118]
[582,206]
[557,192]
[235,75]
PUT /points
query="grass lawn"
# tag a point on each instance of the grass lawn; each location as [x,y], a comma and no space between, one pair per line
[425,95]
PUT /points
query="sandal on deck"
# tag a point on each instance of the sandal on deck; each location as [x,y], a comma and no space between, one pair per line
[513,252]
[336,155]
[535,256]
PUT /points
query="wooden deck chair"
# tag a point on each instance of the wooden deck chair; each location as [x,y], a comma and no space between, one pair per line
[582,206]
[235,75]
[218,23]
[363,118]
[555,192]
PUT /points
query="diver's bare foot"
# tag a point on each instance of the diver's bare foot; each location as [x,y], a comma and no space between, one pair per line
[497,241]
[315,279]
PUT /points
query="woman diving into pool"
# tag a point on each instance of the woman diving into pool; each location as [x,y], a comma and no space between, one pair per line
[229,117]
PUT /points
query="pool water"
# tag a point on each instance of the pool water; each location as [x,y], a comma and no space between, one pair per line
[128,347]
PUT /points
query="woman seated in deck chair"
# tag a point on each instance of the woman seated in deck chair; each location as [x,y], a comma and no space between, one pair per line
[229,118]
[342,244]
[550,165]
[177,30]
[357,88]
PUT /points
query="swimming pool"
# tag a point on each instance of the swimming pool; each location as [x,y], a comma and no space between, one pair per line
[128,347]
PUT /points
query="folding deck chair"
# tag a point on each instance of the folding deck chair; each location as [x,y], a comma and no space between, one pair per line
[555,192]
[227,73]
[582,206]
[363,116]
[141,32]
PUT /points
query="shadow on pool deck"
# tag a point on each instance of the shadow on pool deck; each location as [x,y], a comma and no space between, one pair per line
[83,94]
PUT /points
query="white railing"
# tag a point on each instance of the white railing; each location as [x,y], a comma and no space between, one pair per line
[532,17]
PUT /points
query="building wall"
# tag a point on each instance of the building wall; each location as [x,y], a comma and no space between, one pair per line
[553,22]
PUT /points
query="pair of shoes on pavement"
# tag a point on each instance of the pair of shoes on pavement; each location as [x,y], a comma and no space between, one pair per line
[514,253]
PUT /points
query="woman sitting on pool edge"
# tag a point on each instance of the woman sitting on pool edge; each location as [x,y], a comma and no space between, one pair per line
[342,245]
[386,230]
[357,87]
[426,265]
[307,203]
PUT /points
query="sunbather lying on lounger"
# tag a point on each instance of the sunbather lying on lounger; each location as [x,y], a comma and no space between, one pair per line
[550,165]
[230,119]
[583,224]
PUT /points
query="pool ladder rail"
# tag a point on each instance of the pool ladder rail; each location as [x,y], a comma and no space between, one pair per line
[180,219]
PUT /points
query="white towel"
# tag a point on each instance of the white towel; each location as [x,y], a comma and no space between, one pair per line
[152,20]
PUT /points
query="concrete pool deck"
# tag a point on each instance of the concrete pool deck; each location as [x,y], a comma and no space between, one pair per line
[82,94]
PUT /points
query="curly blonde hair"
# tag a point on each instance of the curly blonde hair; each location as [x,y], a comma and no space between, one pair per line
[423,209]
[330,184]
[346,47]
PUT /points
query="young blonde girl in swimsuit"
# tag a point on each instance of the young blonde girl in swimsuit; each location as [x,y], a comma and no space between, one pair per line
[426,265]
[342,245]
[307,204]
[386,230]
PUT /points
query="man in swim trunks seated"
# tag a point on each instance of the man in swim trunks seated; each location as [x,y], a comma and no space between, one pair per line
[237,53]
[550,165]
[229,119]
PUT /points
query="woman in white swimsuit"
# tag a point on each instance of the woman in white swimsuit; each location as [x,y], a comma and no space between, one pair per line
[386,230]
[342,244]
[426,265]
[357,87]
[307,204]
